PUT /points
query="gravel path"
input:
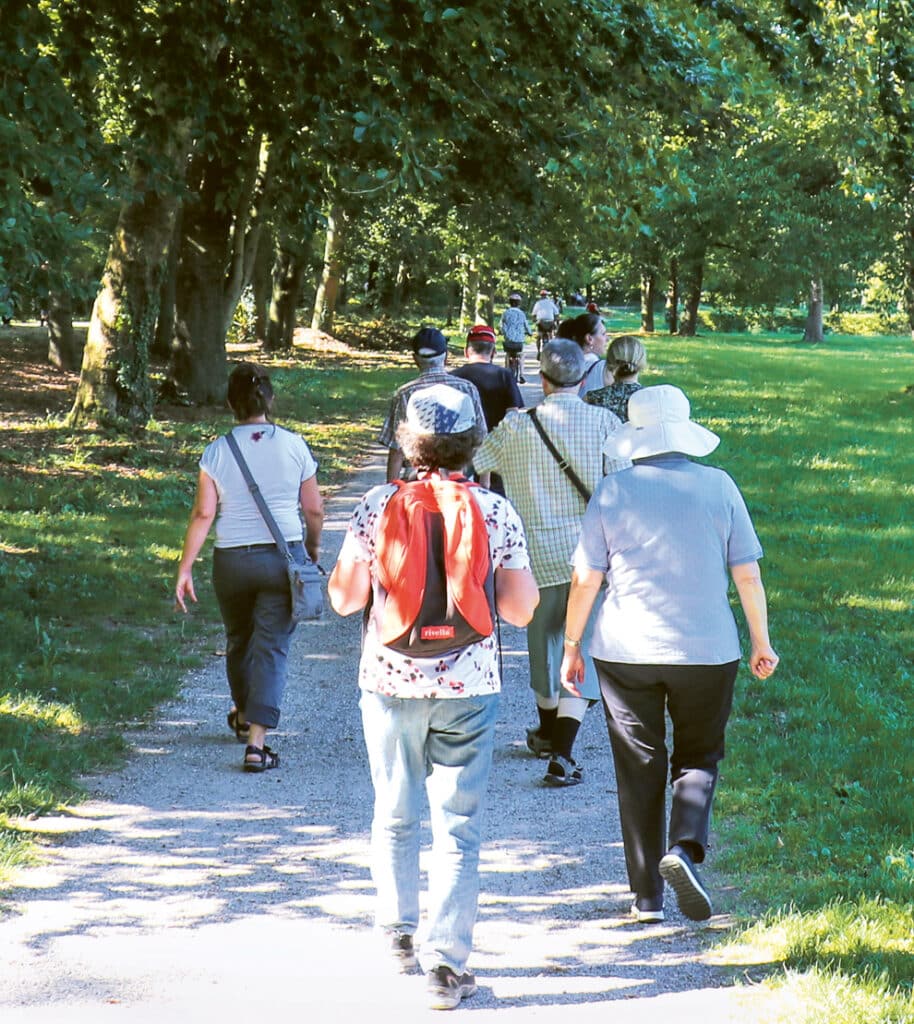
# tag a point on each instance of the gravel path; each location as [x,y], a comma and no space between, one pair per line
[187,885]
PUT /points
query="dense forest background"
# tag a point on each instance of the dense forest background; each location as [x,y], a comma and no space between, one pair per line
[177,172]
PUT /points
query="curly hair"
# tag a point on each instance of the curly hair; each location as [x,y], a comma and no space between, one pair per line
[452,452]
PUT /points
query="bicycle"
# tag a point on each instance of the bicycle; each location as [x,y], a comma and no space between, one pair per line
[512,363]
[545,331]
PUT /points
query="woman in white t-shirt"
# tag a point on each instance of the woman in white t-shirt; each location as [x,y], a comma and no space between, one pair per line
[249,571]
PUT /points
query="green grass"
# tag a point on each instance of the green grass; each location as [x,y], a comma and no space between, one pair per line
[815,811]
[91,527]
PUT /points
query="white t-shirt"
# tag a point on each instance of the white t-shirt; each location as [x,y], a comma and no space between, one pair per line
[470,672]
[545,309]
[279,461]
[593,378]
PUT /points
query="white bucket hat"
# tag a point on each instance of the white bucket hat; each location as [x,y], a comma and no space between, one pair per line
[440,409]
[658,422]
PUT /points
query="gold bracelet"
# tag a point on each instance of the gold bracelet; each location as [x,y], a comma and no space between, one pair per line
[572,643]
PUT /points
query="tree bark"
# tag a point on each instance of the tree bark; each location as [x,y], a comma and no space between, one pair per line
[401,285]
[672,298]
[262,286]
[689,326]
[288,273]
[648,298]
[328,289]
[63,348]
[114,385]
[470,297]
[814,331]
[489,301]
[165,323]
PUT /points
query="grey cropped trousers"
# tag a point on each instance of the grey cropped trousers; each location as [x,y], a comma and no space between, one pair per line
[252,588]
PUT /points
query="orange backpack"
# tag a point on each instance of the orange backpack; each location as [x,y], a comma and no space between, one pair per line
[434,569]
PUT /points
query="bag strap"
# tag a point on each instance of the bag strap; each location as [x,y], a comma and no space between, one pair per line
[559,458]
[258,498]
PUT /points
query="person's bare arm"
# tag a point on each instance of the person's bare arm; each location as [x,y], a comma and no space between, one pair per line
[312,510]
[763,659]
[394,464]
[349,587]
[585,585]
[202,515]
[516,595]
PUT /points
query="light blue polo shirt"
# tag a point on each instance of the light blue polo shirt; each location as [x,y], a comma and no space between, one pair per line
[665,533]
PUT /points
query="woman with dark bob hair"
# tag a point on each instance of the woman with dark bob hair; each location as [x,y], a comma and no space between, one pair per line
[249,571]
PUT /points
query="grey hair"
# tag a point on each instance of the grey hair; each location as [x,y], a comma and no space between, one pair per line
[431,362]
[563,362]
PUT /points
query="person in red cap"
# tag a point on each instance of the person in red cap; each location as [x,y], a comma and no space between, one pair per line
[498,391]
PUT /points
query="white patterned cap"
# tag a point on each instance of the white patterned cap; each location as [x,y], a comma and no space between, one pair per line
[440,409]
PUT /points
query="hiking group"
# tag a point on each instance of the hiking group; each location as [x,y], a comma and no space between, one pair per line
[584,519]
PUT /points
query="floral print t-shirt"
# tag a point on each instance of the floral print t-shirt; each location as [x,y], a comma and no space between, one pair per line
[470,672]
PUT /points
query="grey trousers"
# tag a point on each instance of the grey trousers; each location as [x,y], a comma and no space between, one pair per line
[635,698]
[252,587]
[546,645]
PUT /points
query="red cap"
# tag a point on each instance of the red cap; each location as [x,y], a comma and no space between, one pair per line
[481,332]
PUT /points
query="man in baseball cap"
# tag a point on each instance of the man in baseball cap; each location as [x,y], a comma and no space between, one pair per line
[429,349]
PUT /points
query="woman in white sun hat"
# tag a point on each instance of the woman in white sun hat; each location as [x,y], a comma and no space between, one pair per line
[666,535]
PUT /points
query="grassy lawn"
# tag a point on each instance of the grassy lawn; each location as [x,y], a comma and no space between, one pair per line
[815,813]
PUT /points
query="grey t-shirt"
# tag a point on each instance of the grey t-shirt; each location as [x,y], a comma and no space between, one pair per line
[279,461]
[665,533]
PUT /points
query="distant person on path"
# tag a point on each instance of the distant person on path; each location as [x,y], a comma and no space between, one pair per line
[589,331]
[545,314]
[552,508]
[592,307]
[429,723]
[515,330]
[249,571]
[498,391]
[663,535]
[625,360]
[429,348]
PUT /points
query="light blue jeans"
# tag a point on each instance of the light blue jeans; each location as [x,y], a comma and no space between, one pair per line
[444,747]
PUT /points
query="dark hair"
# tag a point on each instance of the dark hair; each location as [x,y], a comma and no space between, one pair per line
[482,346]
[577,328]
[250,392]
[439,451]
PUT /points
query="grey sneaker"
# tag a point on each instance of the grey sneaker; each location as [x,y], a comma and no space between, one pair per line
[563,771]
[647,910]
[538,744]
[445,989]
[678,871]
[402,951]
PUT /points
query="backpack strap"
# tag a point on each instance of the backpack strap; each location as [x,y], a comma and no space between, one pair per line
[559,458]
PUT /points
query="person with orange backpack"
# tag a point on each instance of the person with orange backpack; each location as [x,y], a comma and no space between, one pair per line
[433,561]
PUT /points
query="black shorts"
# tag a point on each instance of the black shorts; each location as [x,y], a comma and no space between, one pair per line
[513,348]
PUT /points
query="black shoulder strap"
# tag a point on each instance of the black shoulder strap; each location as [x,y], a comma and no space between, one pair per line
[563,462]
[258,497]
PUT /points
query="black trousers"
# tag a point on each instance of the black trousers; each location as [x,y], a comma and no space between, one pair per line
[635,698]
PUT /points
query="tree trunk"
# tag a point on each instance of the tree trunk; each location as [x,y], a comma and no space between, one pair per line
[672,298]
[648,298]
[114,385]
[401,285]
[371,281]
[198,365]
[689,326]
[63,348]
[469,298]
[328,289]
[165,323]
[288,273]
[814,331]
[488,309]
[262,286]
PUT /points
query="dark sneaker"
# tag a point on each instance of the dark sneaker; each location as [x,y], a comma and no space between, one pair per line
[403,952]
[523,380]
[538,744]
[647,909]
[563,771]
[678,871]
[445,989]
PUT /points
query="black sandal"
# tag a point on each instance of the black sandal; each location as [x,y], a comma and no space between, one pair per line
[267,758]
[240,729]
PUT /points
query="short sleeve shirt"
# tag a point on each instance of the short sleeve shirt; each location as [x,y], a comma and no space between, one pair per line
[514,325]
[498,391]
[396,412]
[470,672]
[279,461]
[549,505]
[665,533]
